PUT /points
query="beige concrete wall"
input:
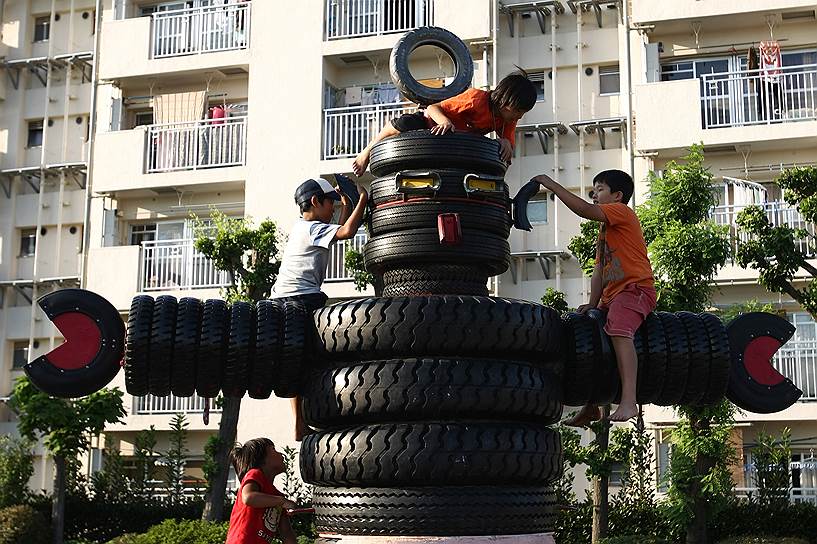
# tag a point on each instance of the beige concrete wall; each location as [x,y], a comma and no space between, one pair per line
[652,11]
[73,208]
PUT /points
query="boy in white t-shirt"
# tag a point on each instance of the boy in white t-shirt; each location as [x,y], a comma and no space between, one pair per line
[303,266]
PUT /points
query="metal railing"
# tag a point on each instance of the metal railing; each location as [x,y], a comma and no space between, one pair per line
[796,494]
[798,362]
[348,130]
[152,405]
[201,30]
[752,97]
[355,18]
[779,213]
[209,143]
[336,267]
[175,264]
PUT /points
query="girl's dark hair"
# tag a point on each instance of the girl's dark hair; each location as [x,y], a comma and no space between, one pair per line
[617,180]
[250,455]
[306,206]
[514,91]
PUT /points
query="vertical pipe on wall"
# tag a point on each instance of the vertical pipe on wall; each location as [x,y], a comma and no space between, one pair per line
[628,53]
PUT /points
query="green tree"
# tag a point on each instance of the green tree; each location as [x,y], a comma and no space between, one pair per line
[250,256]
[16,468]
[777,252]
[735,310]
[111,483]
[555,299]
[175,458]
[583,245]
[771,457]
[144,455]
[66,427]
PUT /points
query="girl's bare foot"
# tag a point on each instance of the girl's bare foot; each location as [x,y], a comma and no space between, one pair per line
[585,417]
[361,162]
[624,412]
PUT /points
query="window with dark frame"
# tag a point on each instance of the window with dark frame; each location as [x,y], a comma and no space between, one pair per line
[28,242]
[609,80]
[537,77]
[142,233]
[35,134]
[20,356]
[42,29]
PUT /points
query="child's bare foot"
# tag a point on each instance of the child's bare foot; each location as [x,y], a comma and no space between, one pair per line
[361,162]
[624,412]
[585,417]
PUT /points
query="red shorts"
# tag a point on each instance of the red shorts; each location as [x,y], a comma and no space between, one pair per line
[628,310]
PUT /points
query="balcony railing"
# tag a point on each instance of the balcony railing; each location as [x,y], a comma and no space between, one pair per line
[201,30]
[336,267]
[779,213]
[355,18]
[175,264]
[210,143]
[347,130]
[798,362]
[152,405]
[796,494]
[750,97]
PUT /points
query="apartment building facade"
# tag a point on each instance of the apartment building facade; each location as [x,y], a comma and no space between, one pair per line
[231,104]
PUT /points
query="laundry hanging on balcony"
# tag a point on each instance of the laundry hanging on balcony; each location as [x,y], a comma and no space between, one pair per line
[771,61]
[179,115]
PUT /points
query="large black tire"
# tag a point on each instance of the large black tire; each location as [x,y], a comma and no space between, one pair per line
[698,346]
[435,511]
[579,354]
[452,188]
[677,374]
[417,149]
[606,377]
[240,348]
[432,454]
[477,216]
[293,350]
[432,287]
[651,346]
[162,339]
[408,85]
[382,328]
[137,345]
[432,389]
[435,280]
[186,350]
[720,359]
[422,246]
[268,339]
[215,328]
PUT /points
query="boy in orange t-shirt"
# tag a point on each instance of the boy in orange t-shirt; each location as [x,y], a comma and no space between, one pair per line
[475,110]
[622,282]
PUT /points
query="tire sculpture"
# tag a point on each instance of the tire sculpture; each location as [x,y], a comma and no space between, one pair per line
[433,403]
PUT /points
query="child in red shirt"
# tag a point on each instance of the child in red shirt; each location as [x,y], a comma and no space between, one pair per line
[474,111]
[622,282]
[258,514]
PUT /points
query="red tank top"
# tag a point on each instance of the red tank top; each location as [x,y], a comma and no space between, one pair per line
[250,525]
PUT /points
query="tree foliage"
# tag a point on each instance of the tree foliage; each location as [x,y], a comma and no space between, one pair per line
[111,483]
[175,458]
[556,300]
[16,468]
[353,260]
[583,246]
[771,457]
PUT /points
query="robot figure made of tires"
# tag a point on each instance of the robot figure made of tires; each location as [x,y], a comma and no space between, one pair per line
[433,403]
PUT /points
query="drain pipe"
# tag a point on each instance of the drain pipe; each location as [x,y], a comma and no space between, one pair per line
[630,139]
[554,95]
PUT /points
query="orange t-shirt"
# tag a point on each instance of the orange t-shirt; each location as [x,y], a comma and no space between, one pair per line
[471,112]
[622,251]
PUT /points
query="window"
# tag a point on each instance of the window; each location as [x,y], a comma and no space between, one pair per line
[142,118]
[28,242]
[142,233]
[42,29]
[538,211]
[538,80]
[157,8]
[20,357]
[35,134]
[609,81]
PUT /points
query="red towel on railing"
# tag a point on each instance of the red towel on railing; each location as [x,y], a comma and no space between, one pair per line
[770,61]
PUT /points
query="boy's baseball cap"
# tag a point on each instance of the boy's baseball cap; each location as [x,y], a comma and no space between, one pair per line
[315,187]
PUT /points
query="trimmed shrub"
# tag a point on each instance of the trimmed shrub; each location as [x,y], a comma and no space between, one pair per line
[128,538]
[633,539]
[750,519]
[23,524]
[184,532]
[763,540]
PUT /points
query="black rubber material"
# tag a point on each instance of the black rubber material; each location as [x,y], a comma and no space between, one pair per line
[104,365]
[382,328]
[606,379]
[162,339]
[293,350]
[240,348]
[432,453]
[215,328]
[698,346]
[418,149]
[268,340]
[579,353]
[435,511]
[422,246]
[456,49]
[384,189]
[677,373]
[651,346]
[432,389]
[477,216]
[720,358]
[137,345]
[432,287]
[438,272]
[186,350]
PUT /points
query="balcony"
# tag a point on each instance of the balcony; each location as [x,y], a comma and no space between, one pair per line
[209,143]
[796,494]
[176,265]
[677,10]
[347,130]
[358,18]
[336,267]
[779,214]
[798,362]
[206,29]
[151,405]
[748,97]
